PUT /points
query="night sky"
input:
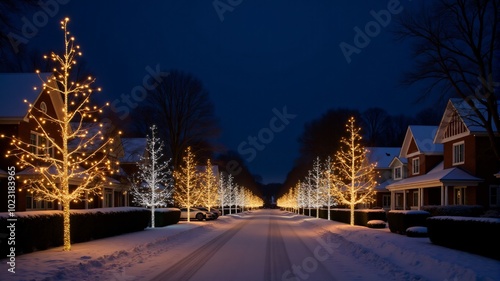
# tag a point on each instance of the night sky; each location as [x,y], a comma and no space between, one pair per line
[254,57]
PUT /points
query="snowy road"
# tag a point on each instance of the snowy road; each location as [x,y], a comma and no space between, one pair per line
[257,245]
[269,245]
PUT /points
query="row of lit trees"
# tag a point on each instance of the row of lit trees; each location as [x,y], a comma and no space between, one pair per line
[349,179]
[155,185]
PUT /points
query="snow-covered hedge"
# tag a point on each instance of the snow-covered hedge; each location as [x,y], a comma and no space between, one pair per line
[167,216]
[475,235]
[361,216]
[454,210]
[399,221]
[39,230]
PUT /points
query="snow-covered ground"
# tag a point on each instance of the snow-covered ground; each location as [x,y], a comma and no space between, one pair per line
[261,245]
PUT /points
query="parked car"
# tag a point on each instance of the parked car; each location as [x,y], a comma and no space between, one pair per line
[215,212]
[195,213]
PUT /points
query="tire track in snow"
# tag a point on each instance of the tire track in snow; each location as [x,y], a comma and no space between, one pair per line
[277,259]
[189,265]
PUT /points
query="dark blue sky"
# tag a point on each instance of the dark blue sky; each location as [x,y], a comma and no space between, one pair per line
[262,55]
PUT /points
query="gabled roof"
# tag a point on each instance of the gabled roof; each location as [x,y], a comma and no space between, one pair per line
[436,177]
[398,160]
[423,137]
[466,114]
[382,156]
[19,87]
[133,149]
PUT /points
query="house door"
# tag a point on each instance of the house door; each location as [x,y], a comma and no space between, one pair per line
[459,195]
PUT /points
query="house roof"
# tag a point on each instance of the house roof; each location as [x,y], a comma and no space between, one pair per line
[381,187]
[397,159]
[423,136]
[133,149]
[3,174]
[466,114]
[382,156]
[202,169]
[20,87]
[436,177]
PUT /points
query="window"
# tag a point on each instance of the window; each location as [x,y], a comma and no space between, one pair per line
[386,201]
[458,153]
[459,195]
[415,166]
[494,198]
[43,107]
[397,173]
[40,144]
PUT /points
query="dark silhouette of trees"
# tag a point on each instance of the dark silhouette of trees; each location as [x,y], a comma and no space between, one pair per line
[375,125]
[456,48]
[182,110]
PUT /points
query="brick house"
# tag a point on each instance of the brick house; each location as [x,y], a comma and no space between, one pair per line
[450,164]
[14,120]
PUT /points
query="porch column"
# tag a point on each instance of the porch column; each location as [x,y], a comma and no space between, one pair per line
[446,195]
[112,197]
[419,198]
[442,195]
[404,199]
[393,203]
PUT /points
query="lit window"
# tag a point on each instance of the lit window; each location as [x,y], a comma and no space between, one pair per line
[458,153]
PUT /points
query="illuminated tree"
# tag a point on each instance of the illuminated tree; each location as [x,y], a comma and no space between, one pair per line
[79,149]
[152,184]
[327,176]
[186,191]
[209,187]
[317,185]
[354,179]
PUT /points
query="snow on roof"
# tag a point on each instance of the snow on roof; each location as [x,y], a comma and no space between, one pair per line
[424,139]
[383,185]
[133,149]
[382,155]
[3,174]
[92,129]
[19,87]
[467,116]
[435,177]
[397,159]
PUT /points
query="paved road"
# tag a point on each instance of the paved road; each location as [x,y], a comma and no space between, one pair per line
[267,245]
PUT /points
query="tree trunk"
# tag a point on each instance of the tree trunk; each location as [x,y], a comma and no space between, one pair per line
[67,233]
[153,216]
[352,214]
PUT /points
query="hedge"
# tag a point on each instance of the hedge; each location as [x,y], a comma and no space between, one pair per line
[40,230]
[399,221]
[475,235]
[454,210]
[166,216]
[361,216]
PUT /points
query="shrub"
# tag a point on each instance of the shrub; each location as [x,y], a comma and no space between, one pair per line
[361,216]
[455,210]
[399,221]
[417,231]
[40,230]
[376,224]
[475,235]
[166,216]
